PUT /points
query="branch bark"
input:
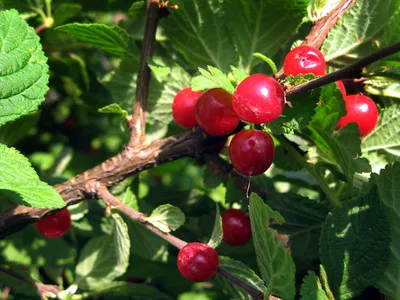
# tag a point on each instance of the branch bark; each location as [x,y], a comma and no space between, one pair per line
[193,143]
[137,122]
[104,193]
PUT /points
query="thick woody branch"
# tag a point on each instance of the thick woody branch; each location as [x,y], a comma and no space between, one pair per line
[133,160]
[321,28]
[103,192]
[137,123]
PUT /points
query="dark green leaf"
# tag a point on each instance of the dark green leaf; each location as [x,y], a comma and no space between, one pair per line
[12,132]
[210,179]
[113,40]
[242,272]
[65,11]
[354,245]
[311,289]
[275,263]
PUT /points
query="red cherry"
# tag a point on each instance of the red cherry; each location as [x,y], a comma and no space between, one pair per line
[56,225]
[214,112]
[183,107]
[341,87]
[251,152]
[236,227]
[197,262]
[304,60]
[258,99]
[361,110]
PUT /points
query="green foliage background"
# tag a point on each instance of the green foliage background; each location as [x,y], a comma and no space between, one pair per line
[341,221]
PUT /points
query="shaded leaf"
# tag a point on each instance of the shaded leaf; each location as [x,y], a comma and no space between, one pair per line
[311,289]
[167,218]
[217,234]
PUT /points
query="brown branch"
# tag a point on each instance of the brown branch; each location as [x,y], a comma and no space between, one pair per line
[321,28]
[137,122]
[104,193]
[133,160]
[44,290]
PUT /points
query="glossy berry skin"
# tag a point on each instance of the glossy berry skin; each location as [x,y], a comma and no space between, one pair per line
[197,262]
[361,110]
[236,227]
[341,87]
[56,225]
[214,112]
[183,107]
[251,152]
[304,60]
[258,99]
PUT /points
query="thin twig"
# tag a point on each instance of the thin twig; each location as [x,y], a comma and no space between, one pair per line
[40,28]
[137,122]
[110,199]
[351,71]
[104,193]
[44,290]
[321,28]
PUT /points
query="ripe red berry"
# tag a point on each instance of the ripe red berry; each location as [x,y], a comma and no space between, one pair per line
[304,60]
[341,87]
[56,225]
[361,110]
[214,112]
[236,227]
[259,99]
[183,107]
[197,262]
[251,152]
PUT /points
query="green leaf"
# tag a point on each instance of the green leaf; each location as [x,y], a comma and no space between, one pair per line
[198,30]
[362,24]
[65,11]
[127,290]
[17,175]
[12,132]
[275,263]
[242,272]
[79,210]
[113,40]
[297,117]
[24,70]
[114,109]
[389,193]
[354,245]
[262,26]
[167,217]
[160,72]
[104,258]
[217,234]
[384,86]
[238,74]
[386,134]
[213,78]
[311,289]
[210,179]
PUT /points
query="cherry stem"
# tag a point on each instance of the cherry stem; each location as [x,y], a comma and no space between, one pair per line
[351,71]
[104,193]
[40,28]
[137,123]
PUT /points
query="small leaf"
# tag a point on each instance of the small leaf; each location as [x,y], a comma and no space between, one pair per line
[318,9]
[386,134]
[114,108]
[389,193]
[167,218]
[17,175]
[238,74]
[216,236]
[383,86]
[79,210]
[269,61]
[24,70]
[160,72]
[213,78]
[104,258]
[311,289]
[354,245]
[243,273]
[275,263]
[65,11]
[113,40]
